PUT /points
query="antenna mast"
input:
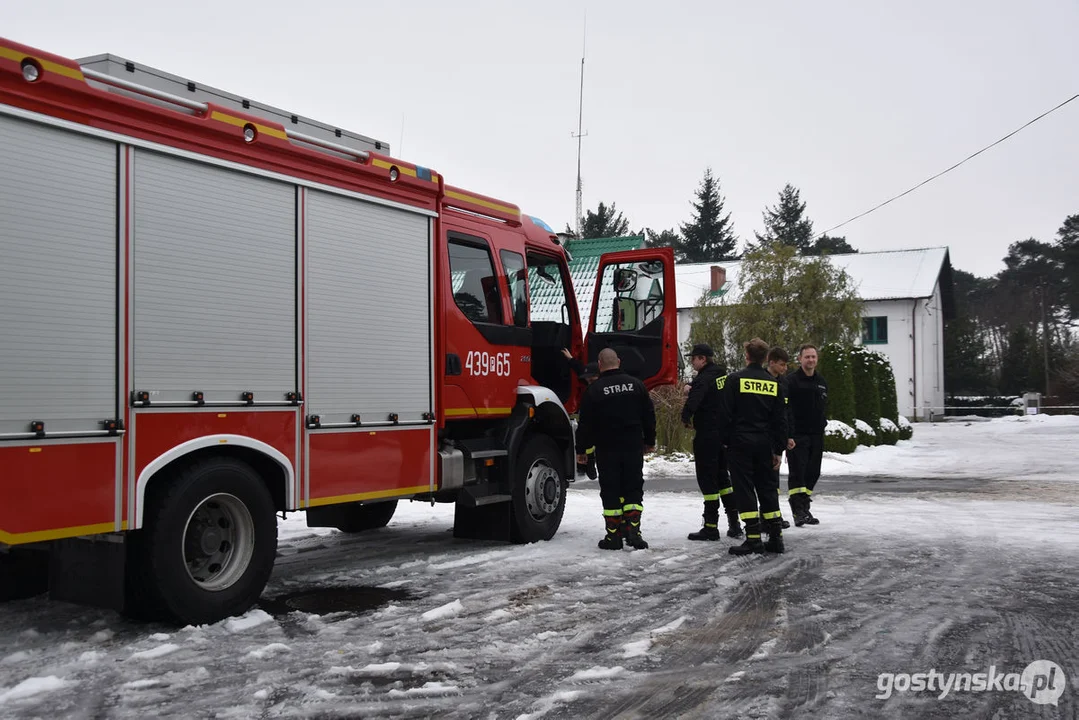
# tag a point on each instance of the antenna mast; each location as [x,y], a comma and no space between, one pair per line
[580,118]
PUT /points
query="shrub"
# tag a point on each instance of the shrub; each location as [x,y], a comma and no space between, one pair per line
[889,432]
[866,388]
[889,403]
[835,368]
[840,438]
[671,435]
[906,430]
[866,434]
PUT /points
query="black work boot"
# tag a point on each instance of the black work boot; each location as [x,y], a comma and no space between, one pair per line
[710,529]
[752,543]
[612,540]
[774,544]
[734,527]
[708,532]
[799,507]
[808,516]
[631,529]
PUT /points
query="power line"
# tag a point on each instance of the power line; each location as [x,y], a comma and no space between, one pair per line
[953,167]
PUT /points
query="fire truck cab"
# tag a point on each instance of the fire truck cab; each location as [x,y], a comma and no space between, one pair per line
[213,311]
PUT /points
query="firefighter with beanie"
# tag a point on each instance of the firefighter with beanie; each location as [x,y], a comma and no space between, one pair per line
[753,421]
[617,417]
[702,410]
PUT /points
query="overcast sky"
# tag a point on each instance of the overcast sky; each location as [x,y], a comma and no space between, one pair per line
[850,101]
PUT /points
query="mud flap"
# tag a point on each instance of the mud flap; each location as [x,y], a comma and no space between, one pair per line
[88,572]
[483,516]
[23,573]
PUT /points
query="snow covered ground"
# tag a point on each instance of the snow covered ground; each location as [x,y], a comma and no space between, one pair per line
[955,580]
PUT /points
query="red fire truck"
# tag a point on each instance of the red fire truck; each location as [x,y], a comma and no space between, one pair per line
[213,311]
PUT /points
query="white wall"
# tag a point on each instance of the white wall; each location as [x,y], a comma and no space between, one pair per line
[915,348]
[930,352]
[898,348]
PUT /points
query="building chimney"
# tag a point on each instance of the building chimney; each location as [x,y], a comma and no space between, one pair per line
[719,277]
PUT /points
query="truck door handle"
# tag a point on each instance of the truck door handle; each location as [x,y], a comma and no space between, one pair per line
[453,364]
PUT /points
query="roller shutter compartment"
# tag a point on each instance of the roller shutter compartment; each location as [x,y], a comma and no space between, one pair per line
[58,266]
[215,288]
[369,310]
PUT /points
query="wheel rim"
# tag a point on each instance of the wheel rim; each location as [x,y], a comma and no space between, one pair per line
[543,489]
[219,540]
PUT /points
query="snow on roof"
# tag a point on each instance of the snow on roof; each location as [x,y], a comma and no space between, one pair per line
[884,275]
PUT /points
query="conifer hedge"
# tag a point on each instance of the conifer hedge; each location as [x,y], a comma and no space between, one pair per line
[835,367]
[864,367]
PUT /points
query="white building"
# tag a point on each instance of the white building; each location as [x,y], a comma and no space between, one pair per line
[907,294]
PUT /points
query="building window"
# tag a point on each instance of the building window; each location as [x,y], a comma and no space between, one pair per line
[874,330]
[475,284]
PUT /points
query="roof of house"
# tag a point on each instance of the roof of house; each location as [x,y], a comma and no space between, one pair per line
[884,275]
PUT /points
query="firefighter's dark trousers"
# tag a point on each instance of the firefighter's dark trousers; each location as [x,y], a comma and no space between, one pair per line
[750,461]
[711,464]
[621,478]
[804,465]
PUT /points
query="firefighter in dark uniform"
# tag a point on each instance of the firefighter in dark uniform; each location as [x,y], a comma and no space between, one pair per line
[618,418]
[809,402]
[587,374]
[752,419]
[777,368]
[702,408]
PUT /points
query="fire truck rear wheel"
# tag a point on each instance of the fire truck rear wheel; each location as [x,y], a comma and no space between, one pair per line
[211,541]
[539,491]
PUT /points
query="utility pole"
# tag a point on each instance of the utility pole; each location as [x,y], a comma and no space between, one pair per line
[579,216]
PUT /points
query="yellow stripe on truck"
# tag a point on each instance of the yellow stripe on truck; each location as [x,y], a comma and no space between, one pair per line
[46,65]
[240,122]
[458,412]
[57,533]
[483,203]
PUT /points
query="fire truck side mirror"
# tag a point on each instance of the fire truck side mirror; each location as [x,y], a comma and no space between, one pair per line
[625,280]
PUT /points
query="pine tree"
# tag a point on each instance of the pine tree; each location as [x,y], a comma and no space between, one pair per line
[829,245]
[605,222]
[787,223]
[663,238]
[710,236]
[1068,244]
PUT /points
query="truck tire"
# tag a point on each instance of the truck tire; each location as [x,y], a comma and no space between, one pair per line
[208,543]
[539,491]
[367,517]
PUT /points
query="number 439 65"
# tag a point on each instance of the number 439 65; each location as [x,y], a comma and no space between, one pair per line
[484,363]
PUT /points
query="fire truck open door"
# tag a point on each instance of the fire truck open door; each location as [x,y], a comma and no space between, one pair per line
[635,312]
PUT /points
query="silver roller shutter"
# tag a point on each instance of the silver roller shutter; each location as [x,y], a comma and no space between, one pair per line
[215,298]
[369,300]
[58,265]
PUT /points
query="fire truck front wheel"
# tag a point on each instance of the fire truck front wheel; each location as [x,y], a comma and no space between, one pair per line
[539,491]
[210,540]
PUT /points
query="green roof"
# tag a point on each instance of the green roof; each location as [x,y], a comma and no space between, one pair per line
[584,268]
[594,247]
